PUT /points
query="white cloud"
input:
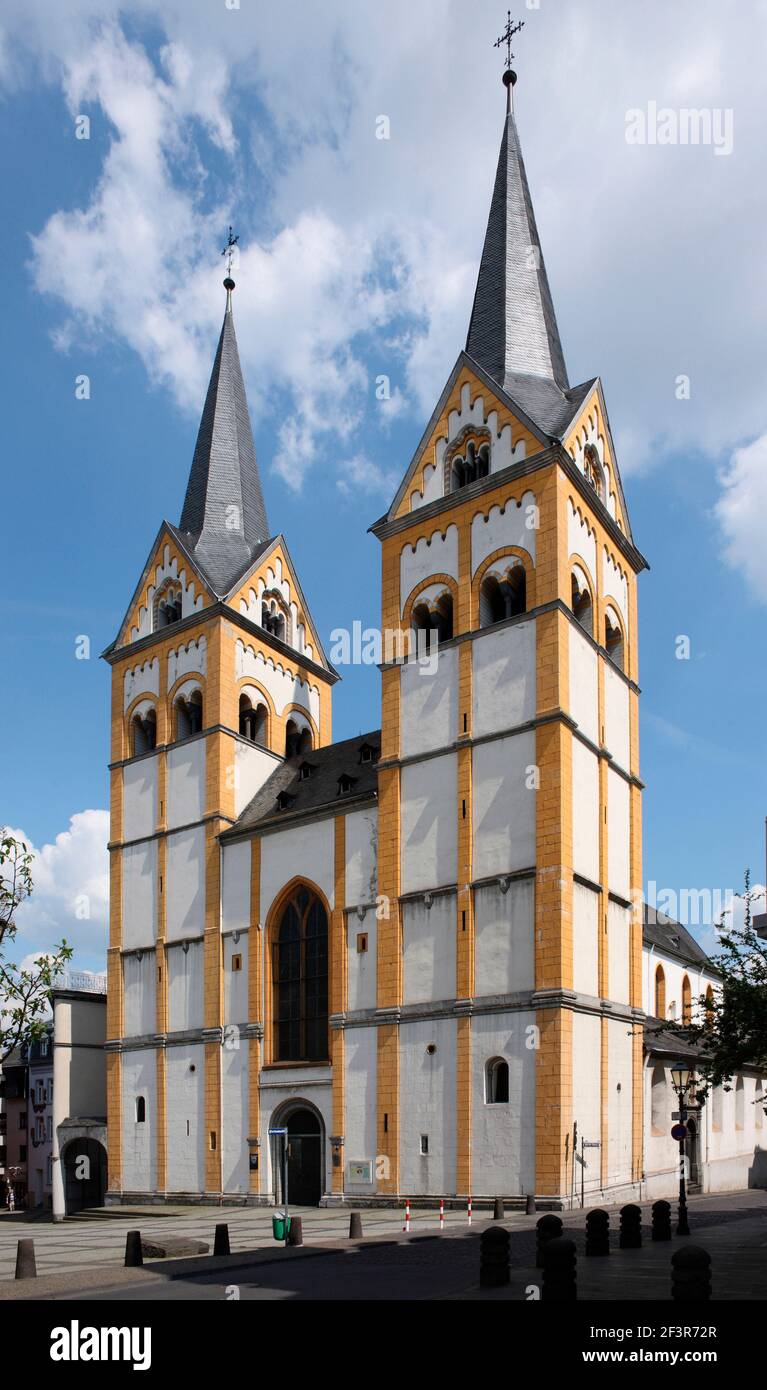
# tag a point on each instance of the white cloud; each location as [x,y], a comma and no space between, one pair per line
[742,514]
[369,245]
[70,896]
[362,474]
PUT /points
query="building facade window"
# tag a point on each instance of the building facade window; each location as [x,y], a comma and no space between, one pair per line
[300,980]
[658,1099]
[660,992]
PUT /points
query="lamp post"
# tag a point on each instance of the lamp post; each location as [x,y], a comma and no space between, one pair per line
[681,1080]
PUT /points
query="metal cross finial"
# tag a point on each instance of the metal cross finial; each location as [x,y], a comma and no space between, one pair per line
[228,251]
[507,36]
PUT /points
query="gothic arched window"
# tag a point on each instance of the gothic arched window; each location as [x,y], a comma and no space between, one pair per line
[300,980]
[660,992]
[686,1000]
[298,739]
[434,617]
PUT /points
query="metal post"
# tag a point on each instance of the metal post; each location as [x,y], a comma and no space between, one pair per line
[682,1227]
[285,1180]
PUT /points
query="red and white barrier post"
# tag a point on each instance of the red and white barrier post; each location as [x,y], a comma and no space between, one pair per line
[441,1214]
[406,1226]
[470,1211]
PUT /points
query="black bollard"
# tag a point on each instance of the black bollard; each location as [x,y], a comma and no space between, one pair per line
[133,1252]
[546,1228]
[26,1267]
[493,1258]
[631,1228]
[498,1212]
[691,1274]
[559,1271]
[221,1240]
[661,1221]
[355,1225]
[530,1204]
[598,1232]
[295,1234]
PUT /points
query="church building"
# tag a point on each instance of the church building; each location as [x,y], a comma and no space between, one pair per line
[418,951]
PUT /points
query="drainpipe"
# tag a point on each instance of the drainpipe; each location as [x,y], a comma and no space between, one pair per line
[61,1056]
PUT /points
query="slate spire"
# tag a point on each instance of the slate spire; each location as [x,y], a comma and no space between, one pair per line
[513,330]
[224,517]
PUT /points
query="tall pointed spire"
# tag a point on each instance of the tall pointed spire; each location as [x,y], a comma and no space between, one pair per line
[224,517]
[513,330]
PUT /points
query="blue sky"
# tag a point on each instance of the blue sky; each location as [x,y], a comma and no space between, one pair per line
[359,258]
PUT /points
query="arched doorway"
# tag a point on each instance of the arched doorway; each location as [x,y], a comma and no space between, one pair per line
[306,1156]
[85,1174]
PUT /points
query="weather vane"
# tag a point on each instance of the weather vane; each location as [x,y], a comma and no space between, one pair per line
[507,36]
[228,251]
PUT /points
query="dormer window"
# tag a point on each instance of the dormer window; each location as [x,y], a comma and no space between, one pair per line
[345,784]
[305,771]
[368,754]
[284,801]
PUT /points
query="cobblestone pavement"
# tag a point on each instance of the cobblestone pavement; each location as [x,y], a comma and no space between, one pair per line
[425,1265]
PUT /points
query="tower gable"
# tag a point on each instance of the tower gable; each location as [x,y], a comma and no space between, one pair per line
[271,595]
[170,574]
[590,444]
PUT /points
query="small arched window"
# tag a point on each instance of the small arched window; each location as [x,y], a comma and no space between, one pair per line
[298,740]
[593,471]
[274,617]
[614,639]
[686,1000]
[497,1082]
[470,465]
[658,1099]
[140,1110]
[740,1103]
[188,714]
[143,733]
[434,617]
[167,605]
[660,992]
[502,596]
[580,601]
[253,721]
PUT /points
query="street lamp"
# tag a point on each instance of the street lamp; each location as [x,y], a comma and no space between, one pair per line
[681,1080]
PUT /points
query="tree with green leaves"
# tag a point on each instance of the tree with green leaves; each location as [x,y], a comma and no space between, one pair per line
[24,993]
[729,1027]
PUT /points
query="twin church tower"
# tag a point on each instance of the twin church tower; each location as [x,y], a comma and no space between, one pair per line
[416,951]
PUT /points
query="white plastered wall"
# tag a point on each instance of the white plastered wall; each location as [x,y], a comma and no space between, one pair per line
[618,835]
[185,1104]
[139,1078]
[585,812]
[586,905]
[503,1136]
[584,700]
[427,1106]
[185,965]
[428,823]
[186,783]
[504,948]
[618,952]
[139,894]
[360,1063]
[429,704]
[140,798]
[428,944]
[361,838]
[235,886]
[306,851]
[504,805]
[139,1013]
[185,901]
[503,684]
[617,738]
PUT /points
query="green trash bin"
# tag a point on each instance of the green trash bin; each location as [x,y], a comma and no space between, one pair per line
[278,1225]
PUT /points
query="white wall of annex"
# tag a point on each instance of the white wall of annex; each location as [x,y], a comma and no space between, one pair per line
[140,798]
[618,835]
[186,783]
[361,857]
[503,1136]
[427,1106]
[139,1078]
[504,947]
[585,811]
[234,1128]
[307,852]
[428,823]
[185,900]
[617,737]
[235,886]
[185,1103]
[504,806]
[361,976]
[139,894]
[503,691]
[584,699]
[236,981]
[428,944]
[585,940]
[139,1010]
[360,1062]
